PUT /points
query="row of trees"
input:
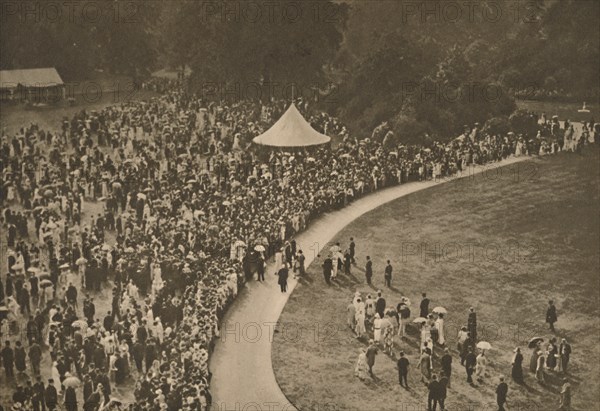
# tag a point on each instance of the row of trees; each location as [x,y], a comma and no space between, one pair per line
[427,66]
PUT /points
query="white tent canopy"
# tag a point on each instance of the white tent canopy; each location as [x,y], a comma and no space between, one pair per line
[291,130]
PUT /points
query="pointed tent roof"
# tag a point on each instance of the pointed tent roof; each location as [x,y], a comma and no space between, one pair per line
[291,130]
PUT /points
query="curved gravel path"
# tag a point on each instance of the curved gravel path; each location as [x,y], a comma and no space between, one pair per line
[243,377]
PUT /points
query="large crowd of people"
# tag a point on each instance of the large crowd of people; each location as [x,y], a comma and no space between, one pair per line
[166,204]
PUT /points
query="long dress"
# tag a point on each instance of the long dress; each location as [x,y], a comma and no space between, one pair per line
[552,354]
[377,329]
[360,319]
[361,370]
[480,366]
[533,363]
[439,325]
[517,367]
[425,367]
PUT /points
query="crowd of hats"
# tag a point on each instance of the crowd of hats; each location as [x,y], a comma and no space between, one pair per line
[184,192]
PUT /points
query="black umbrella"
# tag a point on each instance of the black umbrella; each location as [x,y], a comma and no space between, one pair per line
[534,342]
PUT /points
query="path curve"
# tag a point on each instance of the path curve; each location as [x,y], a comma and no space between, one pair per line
[243,377]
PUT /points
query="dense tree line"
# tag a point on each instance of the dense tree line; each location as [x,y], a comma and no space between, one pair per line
[427,67]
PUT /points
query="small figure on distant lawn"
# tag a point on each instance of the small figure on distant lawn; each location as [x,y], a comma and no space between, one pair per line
[424,306]
[361,370]
[360,318]
[300,258]
[501,394]
[565,355]
[472,324]
[351,312]
[565,396]
[369,270]
[388,274]
[352,250]
[551,316]
[371,353]
[470,363]
[327,269]
[517,366]
[283,277]
[425,366]
[403,364]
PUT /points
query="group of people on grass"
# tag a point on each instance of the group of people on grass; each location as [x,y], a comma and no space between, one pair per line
[371,318]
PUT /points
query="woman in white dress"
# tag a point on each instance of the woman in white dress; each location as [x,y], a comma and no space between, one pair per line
[360,318]
[377,328]
[439,325]
[481,365]
[361,370]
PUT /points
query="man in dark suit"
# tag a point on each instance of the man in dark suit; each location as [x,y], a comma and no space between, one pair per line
[501,393]
[565,354]
[472,324]
[435,393]
[327,269]
[551,316]
[352,250]
[424,307]
[8,360]
[369,270]
[51,395]
[444,381]
[388,274]
[403,370]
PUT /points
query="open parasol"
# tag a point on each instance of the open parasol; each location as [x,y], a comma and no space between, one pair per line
[440,310]
[71,381]
[484,345]
[45,283]
[419,320]
[534,342]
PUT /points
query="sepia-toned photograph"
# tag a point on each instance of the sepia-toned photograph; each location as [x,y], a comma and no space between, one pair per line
[299,205]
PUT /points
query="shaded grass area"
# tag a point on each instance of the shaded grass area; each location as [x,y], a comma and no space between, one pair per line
[503,242]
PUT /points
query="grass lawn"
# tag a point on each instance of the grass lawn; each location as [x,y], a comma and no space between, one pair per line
[527,235]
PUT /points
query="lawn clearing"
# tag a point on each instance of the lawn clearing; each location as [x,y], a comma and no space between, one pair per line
[527,234]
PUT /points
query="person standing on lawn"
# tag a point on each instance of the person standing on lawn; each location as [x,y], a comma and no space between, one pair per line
[551,316]
[351,313]
[371,353]
[517,366]
[472,324]
[352,250]
[369,270]
[283,277]
[388,274]
[425,366]
[501,393]
[403,364]
[564,351]
[300,258]
[446,362]
[380,304]
[327,269]
[470,363]
[424,306]
[435,394]
[565,396]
